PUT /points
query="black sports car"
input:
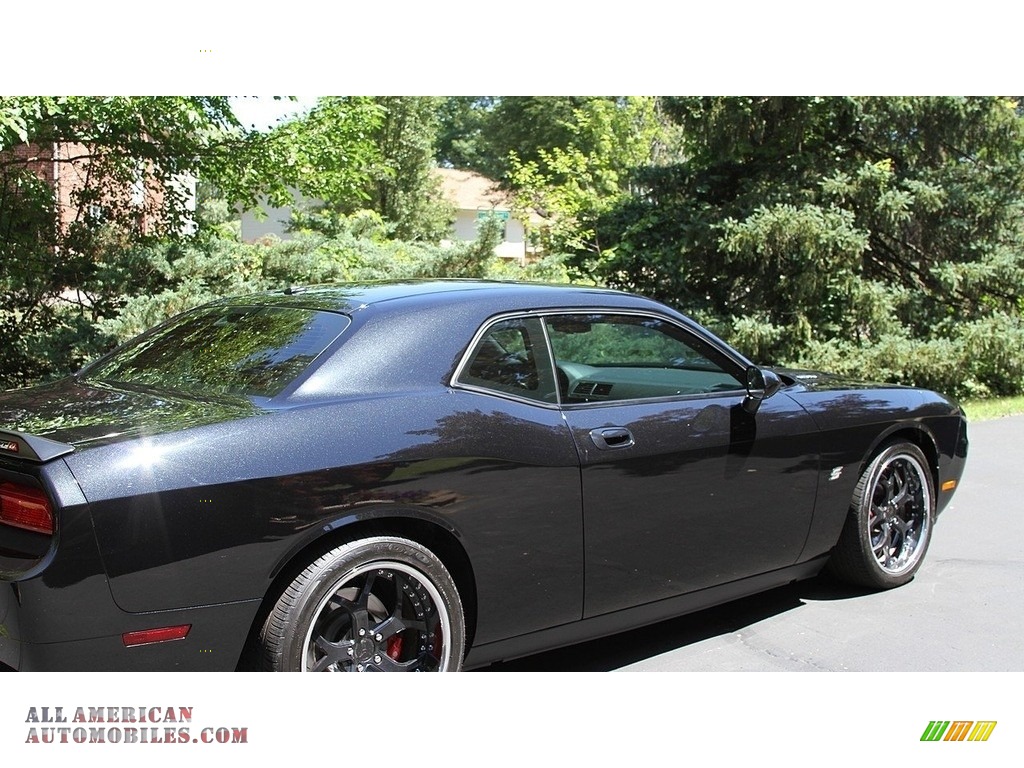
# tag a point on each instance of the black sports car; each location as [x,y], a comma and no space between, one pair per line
[435,475]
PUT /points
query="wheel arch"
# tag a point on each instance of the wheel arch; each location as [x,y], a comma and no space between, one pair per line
[416,527]
[913,433]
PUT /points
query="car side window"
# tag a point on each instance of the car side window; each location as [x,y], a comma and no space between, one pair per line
[511,358]
[603,357]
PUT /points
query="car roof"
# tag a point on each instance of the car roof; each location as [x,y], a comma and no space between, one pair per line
[407,334]
[351,297]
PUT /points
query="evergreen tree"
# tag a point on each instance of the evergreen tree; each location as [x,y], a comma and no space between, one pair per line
[803,226]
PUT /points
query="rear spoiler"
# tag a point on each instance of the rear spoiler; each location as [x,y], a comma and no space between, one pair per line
[31,448]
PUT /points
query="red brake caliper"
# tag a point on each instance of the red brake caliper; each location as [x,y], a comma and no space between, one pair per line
[394,649]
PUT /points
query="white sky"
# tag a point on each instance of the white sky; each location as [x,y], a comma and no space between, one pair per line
[532,47]
[262,112]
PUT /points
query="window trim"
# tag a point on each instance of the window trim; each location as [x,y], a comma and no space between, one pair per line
[542,314]
[474,343]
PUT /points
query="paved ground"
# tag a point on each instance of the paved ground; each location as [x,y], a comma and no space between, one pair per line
[963,612]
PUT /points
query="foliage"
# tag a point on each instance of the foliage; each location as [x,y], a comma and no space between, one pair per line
[877,235]
[461,122]
[573,183]
[327,154]
[132,159]
[405,190]
[983,358]
[522,126]
[397,177]
[357,251]
[68,261]
[566,157]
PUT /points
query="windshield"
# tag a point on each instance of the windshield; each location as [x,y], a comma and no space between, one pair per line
[224,350]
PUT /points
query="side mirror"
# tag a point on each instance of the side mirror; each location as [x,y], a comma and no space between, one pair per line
[761,384]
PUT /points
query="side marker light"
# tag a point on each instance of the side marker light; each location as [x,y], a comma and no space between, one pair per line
[160,635]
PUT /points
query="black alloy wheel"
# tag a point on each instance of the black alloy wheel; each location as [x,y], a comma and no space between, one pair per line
[889,525]
[381,604]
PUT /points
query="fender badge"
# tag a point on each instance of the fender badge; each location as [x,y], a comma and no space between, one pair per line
[8,445]
[836,472]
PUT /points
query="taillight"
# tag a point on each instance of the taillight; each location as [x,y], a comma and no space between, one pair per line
[25,507]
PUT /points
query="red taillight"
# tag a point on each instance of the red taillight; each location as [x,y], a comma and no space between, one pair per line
[24,507]
[161,635]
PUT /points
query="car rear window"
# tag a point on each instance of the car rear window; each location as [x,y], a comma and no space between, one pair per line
[224,350]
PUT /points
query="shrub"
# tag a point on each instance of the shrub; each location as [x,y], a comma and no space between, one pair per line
[983,358]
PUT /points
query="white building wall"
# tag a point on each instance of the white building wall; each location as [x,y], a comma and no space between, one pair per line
[465,225]
[512,247]
[275,222]
[272,221]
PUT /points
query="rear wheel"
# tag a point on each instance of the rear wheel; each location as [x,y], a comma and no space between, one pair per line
[889,524]
[381,604]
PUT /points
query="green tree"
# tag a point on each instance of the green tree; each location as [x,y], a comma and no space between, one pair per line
[805,225]
[66,263]
[483,133]
[567,157]
[404,190]
[397,180]
[571,184]
[330,153]
[131,160]
[461,122]
[522,126]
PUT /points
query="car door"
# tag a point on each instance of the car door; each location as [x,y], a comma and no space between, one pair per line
[523,497]
[683,489]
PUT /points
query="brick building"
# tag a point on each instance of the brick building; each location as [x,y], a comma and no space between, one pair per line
[71,170]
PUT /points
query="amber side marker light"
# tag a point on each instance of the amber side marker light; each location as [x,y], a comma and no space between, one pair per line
[949,485]
[160,635]
[25,507]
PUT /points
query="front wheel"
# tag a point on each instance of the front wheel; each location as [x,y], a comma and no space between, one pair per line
[889,524]
[381,604]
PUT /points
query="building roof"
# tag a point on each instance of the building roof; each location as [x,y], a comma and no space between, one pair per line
[470,191]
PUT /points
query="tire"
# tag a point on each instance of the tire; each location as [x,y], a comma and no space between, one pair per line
[889,525]
[381,604]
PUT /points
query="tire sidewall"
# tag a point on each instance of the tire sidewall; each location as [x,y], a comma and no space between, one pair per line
[882,577]
[329,572]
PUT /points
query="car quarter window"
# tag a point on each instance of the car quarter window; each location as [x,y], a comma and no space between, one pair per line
[603,357]
[511,358]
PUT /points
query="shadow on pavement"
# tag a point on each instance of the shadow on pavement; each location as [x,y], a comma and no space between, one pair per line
[626,648]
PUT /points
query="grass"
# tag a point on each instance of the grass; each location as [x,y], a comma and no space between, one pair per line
[993,408]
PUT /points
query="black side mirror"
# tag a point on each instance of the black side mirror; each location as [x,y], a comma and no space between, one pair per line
[761,384]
